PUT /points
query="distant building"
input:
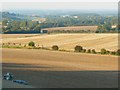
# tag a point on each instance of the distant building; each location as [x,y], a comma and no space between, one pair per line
[44,31]
[75,16]
[114,26]
[65,16]
[40,20]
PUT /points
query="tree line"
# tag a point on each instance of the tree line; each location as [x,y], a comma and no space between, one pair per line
[20,26]
[104,24]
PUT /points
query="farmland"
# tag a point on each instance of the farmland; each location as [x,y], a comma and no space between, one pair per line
[48,69]
[66,41]
[74,28]
[59,45]
[52,69]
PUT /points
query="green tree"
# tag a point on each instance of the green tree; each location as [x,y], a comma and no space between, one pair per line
[103,51]
[107,52]
[55,47]
[89,51]
[99,28]
[113,53]
[31,43]
[78,48]
[93,51]
[84,50]
[4,23]
[118,52]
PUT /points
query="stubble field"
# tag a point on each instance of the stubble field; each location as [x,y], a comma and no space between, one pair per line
[67,41]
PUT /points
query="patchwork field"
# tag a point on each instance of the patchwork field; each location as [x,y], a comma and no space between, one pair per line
[67,41]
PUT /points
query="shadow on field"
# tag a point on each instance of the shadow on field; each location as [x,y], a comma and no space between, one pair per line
[63,79]
[14,65]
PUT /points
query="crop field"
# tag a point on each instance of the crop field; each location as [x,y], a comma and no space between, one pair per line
[53,69]
[56,61]
[67,41]
[91,28]
[16,35]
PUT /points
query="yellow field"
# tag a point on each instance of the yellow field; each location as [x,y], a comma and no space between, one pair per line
[67,41]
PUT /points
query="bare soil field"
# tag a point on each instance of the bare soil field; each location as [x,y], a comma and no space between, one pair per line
[67,41]
[91,28]
[50,69]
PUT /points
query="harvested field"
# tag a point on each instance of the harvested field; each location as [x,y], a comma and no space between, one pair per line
[68,41]
[55,61]
[91,28]
[17,35]
[52,69]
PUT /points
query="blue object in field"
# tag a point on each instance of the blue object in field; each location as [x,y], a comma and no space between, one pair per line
[21,82]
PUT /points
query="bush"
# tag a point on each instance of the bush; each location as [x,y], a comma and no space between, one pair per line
[113,53]
[78,48]
[25,45]
[3,44]
[93,51]
[20,44]
[14,43]
[118,52]
[89,51]
[8,43]
[103,51]
[31,44]
[55,47]
[107,52]
[83,51]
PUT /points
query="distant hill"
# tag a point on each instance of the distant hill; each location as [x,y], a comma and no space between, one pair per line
[13,16]
[67,22]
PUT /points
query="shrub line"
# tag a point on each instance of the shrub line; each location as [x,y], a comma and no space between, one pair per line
[77,49]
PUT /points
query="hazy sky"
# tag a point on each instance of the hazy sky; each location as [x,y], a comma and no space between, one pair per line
[60,5]
[59,0]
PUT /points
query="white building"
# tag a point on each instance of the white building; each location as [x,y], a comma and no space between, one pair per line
[114,26]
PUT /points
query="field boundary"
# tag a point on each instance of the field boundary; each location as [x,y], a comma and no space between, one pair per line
[19,46]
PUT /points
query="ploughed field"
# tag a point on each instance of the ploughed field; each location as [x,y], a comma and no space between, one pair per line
[46,69]
[66,41]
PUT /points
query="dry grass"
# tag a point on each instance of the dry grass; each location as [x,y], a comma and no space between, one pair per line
[68,41]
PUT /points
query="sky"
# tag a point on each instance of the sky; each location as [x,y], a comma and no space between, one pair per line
[59,0]
[59,5]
